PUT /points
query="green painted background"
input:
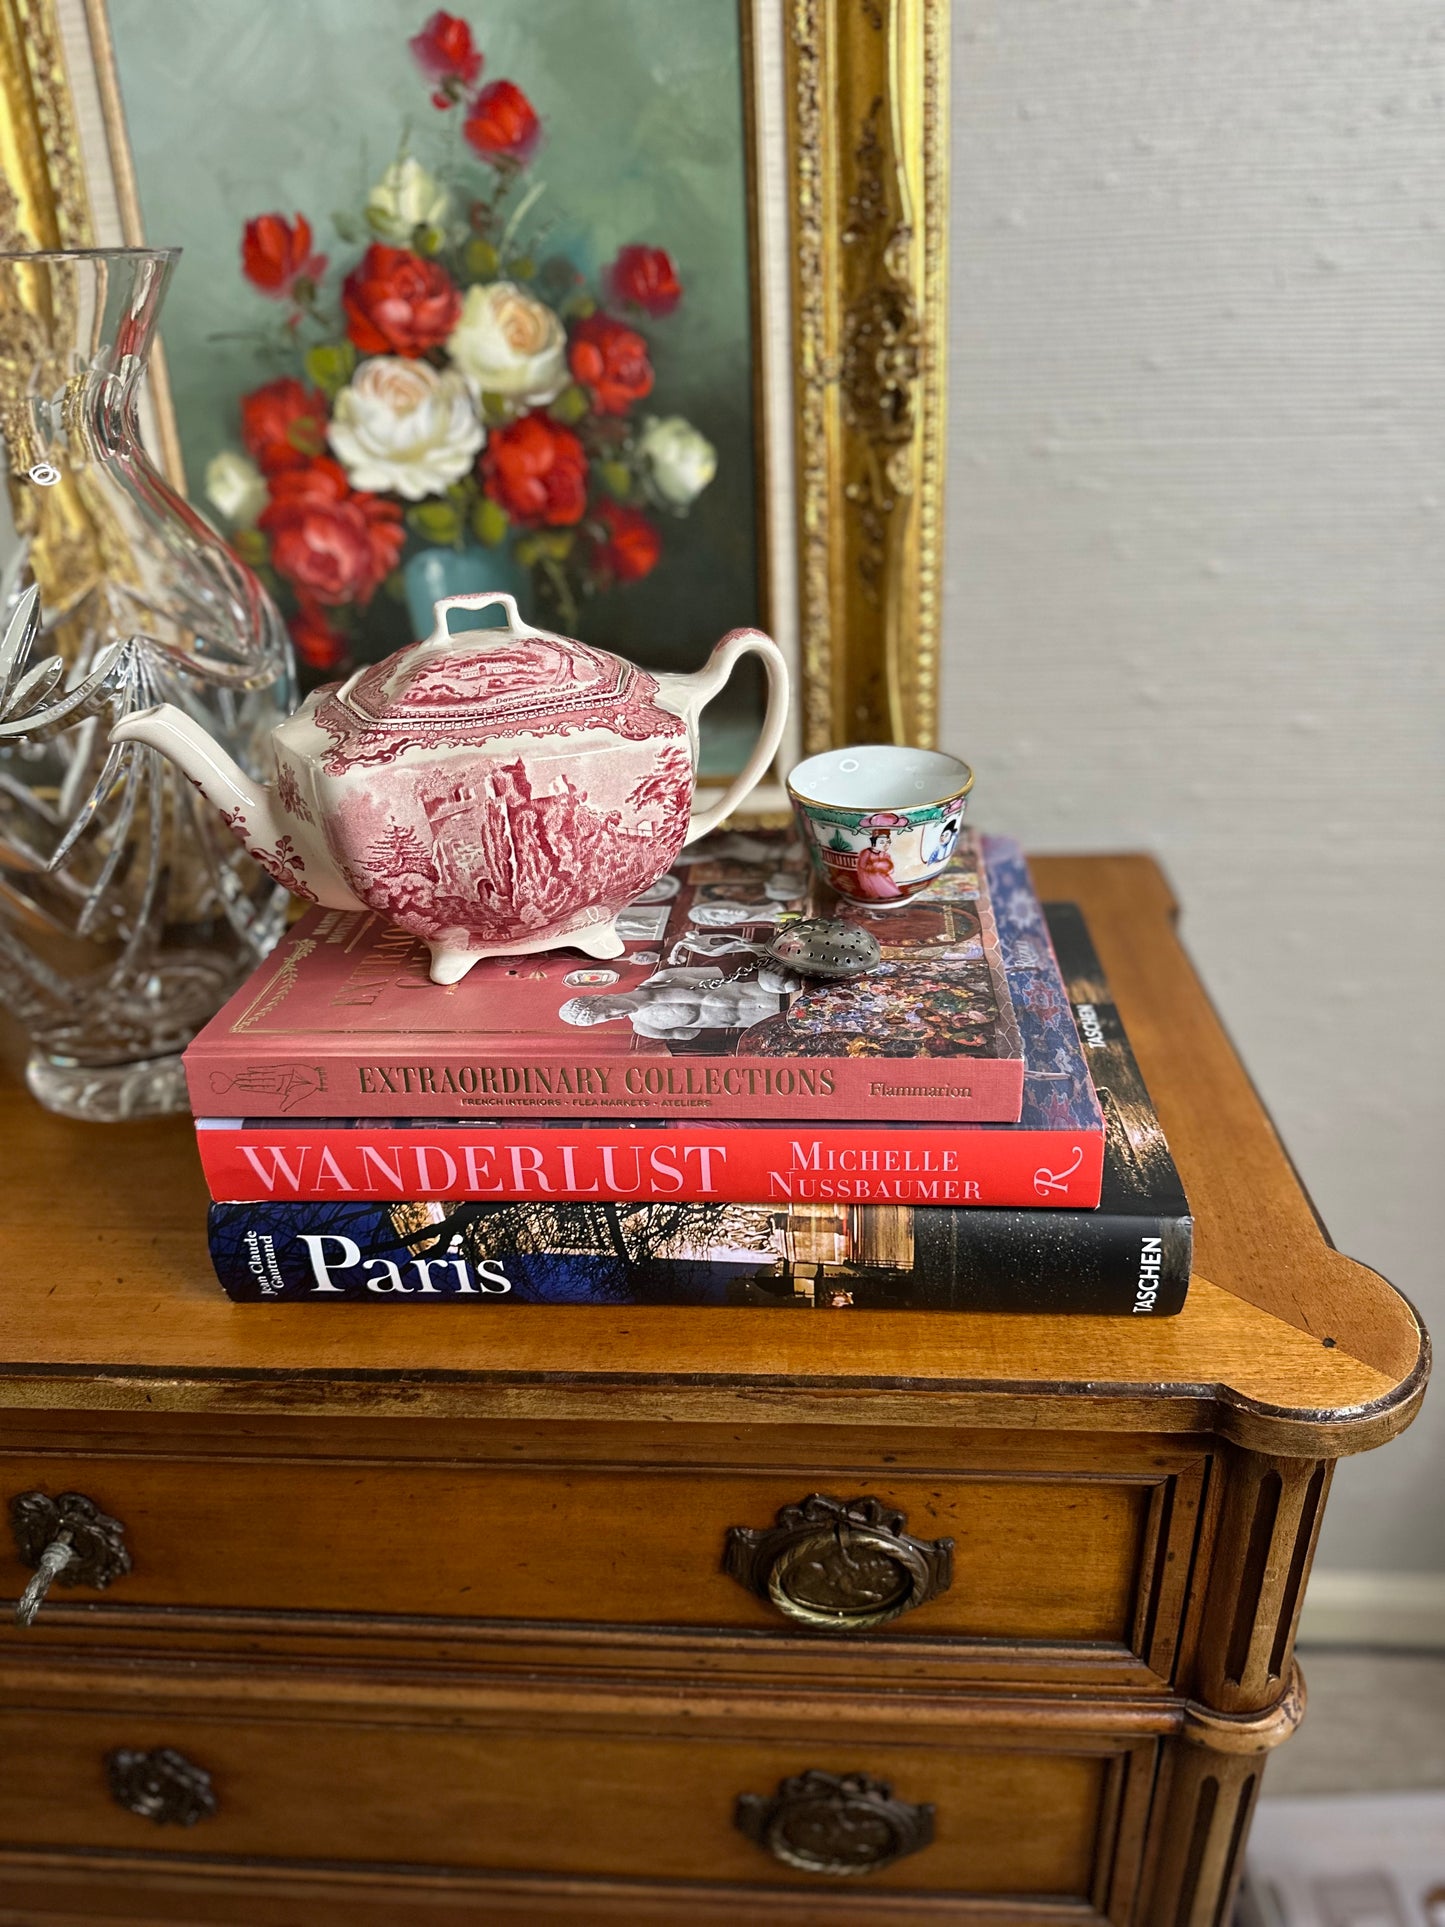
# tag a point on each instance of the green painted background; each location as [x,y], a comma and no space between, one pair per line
[237,107]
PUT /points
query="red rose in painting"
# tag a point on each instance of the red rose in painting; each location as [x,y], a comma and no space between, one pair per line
[610,360]
[537,471]
[283,425]
[633,546]
[644,278]
[276,254]
[331,544]
[445,51]
[398,304]
[502,124]
[316,642]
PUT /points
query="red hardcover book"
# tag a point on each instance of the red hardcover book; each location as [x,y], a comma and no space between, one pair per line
[998,1165]
[342,1020]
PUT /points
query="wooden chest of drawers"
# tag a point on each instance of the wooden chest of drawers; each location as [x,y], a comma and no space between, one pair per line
[527,1614]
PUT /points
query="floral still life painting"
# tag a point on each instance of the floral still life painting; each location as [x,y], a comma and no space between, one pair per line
[444,389]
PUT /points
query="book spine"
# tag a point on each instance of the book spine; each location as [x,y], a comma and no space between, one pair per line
[757,1165]
[1102,1262]
[342,1083]
[1085,1263]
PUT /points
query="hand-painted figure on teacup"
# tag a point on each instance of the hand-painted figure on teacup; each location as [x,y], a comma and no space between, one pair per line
[879,820]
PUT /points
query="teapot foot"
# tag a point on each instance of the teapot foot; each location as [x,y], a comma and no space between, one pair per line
[450,963]
[601,940]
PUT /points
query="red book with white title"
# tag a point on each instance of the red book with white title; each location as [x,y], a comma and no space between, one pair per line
[343,1021]
[998,1165]
[1051,1157]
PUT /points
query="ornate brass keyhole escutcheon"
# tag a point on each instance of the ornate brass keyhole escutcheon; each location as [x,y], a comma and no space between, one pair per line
[161,1785]
[839,1565]
[66,1539]
[832,1823]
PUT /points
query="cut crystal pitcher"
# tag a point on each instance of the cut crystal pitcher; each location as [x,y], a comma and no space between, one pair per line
[127,913]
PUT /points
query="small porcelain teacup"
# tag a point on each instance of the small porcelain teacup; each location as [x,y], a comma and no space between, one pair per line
[880,820]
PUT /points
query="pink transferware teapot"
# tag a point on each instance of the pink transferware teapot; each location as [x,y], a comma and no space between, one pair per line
[496,793]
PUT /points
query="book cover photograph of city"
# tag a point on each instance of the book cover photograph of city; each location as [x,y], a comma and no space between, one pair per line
[604,1253]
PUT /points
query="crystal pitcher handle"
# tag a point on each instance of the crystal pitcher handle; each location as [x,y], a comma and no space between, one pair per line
[481,599]
[701,689]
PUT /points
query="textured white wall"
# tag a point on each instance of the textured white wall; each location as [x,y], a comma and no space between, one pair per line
[1195,571]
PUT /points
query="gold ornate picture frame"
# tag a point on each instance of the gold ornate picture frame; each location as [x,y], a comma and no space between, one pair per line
[849,178]
[867,85]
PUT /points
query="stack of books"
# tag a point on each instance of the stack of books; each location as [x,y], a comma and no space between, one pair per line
[963,1128]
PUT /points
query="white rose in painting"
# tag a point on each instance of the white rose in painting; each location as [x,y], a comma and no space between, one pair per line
[508,343]
[405,198]
[236,487]
[680,460]
[403,426]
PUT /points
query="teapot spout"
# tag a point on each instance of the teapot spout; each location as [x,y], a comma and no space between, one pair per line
[246,807]
[249,810]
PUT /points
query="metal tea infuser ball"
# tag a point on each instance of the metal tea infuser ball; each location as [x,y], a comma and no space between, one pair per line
[823,947]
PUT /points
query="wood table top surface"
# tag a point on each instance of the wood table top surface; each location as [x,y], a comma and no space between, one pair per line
[107,1299]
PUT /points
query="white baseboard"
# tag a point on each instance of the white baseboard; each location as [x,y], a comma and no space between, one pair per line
[1374,1609]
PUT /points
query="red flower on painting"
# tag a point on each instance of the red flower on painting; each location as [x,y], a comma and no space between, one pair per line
[330,543]
[398,304]
[633,546]
[446,52]
[283,425]
[316,642]
[644,278]
[276,255]
[610,360]
[502,124]
[536,470]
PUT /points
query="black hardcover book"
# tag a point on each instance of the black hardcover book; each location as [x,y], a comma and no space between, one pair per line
[1129,1257]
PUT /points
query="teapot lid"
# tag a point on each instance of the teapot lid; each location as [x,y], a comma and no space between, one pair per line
[490,679]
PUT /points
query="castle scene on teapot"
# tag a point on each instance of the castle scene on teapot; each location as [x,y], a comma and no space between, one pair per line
[581,795]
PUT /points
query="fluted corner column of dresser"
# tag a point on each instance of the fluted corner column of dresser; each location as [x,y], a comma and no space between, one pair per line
[1249,1693]
[1208,1790]
[1264,1543]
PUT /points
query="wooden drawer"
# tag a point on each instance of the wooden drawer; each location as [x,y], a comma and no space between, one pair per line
[615,1792]
[1047,1557]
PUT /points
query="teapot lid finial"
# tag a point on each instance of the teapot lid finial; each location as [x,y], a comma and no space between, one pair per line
[517,624]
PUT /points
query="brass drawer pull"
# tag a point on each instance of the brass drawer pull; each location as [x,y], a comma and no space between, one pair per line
[161,1785]
[68,1539]
[834,1823]
[839,1565]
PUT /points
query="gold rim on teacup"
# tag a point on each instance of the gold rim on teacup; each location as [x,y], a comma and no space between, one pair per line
[952,795]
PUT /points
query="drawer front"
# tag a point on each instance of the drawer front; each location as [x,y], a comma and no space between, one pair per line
[1064,1560]
[986,1817]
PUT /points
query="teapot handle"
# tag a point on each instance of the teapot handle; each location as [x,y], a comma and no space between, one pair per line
[482,599]
[705,685]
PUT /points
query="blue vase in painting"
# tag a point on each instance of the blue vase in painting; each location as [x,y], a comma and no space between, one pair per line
[432,574]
